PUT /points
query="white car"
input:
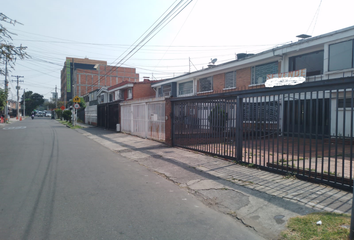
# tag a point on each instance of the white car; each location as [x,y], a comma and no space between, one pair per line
[48,114]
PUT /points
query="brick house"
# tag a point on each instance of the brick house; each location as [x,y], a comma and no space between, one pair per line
[81,76]
[326,56]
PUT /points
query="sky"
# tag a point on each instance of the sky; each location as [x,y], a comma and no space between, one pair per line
[205,29]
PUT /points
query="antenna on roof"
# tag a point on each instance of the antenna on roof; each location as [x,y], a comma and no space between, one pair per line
[213,61]
[303,36]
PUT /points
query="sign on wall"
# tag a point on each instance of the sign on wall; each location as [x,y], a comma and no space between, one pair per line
[297,73]
[68,76]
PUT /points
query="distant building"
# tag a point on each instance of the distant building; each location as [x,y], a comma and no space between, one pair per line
[81,76]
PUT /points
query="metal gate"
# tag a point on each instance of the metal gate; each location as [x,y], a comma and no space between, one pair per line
[144,119]
[108,115]
[305,130]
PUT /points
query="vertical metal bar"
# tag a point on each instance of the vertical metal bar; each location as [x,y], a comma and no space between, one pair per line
[298,131]
[208,132]
[234,146]
[264,128]
[316,142]
[212,145]
[252,128]
[323,131]
[343,141]
[258,106]
[336,141]
[293,133]
[278,119]
[310,144]
[239,127]
[275,110]
[247,124]
[330,135]
[288,131]
[270,129]
[351,137]
[305,133]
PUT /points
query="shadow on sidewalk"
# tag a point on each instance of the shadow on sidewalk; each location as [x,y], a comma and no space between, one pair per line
[297,196]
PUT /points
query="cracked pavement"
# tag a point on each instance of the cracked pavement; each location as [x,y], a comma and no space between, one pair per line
[261,200]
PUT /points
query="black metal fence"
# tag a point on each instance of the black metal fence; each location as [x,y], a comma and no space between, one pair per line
[304,130]
[108,115]
[81,114]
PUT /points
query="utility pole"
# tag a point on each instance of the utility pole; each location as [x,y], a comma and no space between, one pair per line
[56,97]
[24,103]
[189,65]
[18,89]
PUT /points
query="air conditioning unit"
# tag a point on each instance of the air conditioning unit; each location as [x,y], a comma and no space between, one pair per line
[168,94]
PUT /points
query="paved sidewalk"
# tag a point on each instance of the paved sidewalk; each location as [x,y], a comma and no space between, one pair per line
[11,120]
[261,200]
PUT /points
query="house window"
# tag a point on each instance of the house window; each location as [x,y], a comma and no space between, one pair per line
[130,93]
[230,79]
[259,73]
[110,97]
[159,92]
[118,95]
[102,98]
[341,55]
[313,62]
[206,84]
[166,89]
[185,88]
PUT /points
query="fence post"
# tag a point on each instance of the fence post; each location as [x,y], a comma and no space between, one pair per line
[351,235]
[239,127]
[172,116]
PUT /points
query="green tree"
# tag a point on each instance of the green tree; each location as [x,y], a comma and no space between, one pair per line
[33,100]
[3,97]
[7,50]
[49,105]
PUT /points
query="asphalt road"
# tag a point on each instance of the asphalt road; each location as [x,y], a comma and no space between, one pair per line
[57,184]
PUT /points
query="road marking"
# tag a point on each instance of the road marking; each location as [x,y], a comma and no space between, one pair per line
[11,128]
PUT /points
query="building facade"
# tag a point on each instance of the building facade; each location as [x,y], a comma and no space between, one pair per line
[81,76]
[327,56]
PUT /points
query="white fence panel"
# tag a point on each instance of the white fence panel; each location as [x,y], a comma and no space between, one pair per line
[91,115]
[156,121]
[139,120]
[126,118]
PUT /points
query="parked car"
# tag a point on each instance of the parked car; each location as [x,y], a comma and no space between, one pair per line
[48,114]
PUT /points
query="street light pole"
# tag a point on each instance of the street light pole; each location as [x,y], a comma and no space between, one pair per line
[18,89]
[24,103]
[6,92]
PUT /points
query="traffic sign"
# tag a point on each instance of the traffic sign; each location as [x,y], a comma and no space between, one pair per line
[76,99]
[76,105]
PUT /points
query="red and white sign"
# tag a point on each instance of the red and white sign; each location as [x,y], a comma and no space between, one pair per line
[76,105]
[298,73]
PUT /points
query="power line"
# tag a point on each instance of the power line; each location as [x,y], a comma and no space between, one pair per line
[156,29]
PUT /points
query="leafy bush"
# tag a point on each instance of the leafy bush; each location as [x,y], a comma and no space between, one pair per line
[59,113]
[67,115]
